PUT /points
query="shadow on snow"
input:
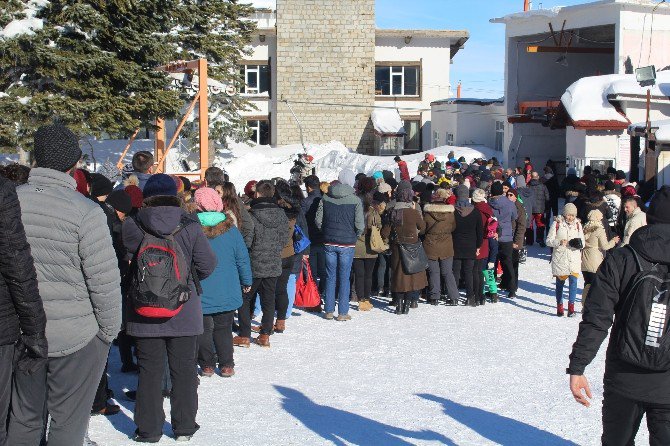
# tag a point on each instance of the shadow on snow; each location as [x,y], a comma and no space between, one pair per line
[497,428]
[341,427]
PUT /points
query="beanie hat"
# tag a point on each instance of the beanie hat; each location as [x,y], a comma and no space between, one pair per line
[659,207]
[570,209]
[120,201]
[496,189]
[100,185]
[179,183]
[347,177]
[595,215]
[462,192]
[620,175]
[135,194]
[513,191]
[366,185]
[419,187]
[404,185]
[439,196]
[378,175]
[572,171]
[83,179]
[160,184]
[249,188]
[208,200]
[384,188]
[56,147]
[479,196]
[609,185]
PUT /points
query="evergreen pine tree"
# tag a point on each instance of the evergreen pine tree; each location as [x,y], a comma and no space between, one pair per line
[92,63]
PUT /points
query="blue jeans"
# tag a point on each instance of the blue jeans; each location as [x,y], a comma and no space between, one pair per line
[493,252]
[338,271]
[572,290]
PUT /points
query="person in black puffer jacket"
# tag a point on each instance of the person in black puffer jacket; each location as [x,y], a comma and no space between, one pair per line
[22,317]
[629,390]
[271,229]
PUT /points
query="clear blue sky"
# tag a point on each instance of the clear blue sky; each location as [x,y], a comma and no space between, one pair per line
[480,65]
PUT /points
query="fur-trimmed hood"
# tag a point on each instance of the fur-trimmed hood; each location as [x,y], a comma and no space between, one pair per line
[220,228]
[436,208]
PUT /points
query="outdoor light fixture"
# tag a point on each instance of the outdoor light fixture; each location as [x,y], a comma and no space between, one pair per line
[261,37]
[646,76]
[408,39]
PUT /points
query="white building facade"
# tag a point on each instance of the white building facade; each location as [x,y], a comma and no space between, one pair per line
[592,39]
[410,70]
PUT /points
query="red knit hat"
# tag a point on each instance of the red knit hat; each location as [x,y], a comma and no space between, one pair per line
[136,196]
[249,188]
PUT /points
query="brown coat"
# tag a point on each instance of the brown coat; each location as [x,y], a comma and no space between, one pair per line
[288,250]
[408,232]
[362,250]
[440,223]
[520,225]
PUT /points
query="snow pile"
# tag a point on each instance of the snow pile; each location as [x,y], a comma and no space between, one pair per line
[662,129]
[387,121]
[264,4]
[549,13]
[27,25]
[588,98]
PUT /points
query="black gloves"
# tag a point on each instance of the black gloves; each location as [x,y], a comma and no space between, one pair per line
[31,353]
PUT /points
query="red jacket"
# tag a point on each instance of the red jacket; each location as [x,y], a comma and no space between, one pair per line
[487,212]
[404,172]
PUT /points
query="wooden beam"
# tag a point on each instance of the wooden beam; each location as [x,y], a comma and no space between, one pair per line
[571,49]
[203,117]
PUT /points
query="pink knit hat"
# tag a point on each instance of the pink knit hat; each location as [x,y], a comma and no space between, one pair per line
[208,200]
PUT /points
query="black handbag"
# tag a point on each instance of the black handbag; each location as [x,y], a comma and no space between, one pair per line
[576,243]
[412,257]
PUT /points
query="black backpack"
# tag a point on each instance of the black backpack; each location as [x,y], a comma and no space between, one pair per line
[641,328]
[159,275]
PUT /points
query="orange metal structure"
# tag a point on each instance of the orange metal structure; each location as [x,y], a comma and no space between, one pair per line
[161,149]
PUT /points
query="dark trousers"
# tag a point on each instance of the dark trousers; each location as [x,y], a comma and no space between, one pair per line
[506,254]
[6,362]
[216,340]
[478,279]
[102,394]
[317,263]
[622,417]
[383,272]
[149,414]
[266,288]
[442,269]
[588,277]
[281,290]
[126,348]
[550,209]
[504,281]
[363,271]
[463,269]
[64,388]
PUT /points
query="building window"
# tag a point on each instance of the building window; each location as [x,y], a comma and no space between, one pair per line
[412,135]
[260,131]
[436,139]
[256,79]
[397,80]
[500,135]
[450,139]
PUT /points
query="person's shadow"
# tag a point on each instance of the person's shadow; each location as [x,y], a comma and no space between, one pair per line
[339,426]
[497,428]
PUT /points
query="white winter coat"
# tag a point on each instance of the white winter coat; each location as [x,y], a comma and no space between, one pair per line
[565,260]
[633,222]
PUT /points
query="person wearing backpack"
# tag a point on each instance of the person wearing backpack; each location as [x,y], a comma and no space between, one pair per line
[566,237]
[637,365]
[222,291]
[172,328]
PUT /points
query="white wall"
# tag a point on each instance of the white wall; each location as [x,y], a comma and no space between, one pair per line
[471,124]
[434,54]
[636,36]
[538,142]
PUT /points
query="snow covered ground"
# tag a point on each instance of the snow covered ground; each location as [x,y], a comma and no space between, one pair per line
[441,375]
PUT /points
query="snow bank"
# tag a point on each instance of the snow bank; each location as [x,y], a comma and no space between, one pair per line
[244,163]
[387,121]
[587,99]
[27,25]
[663,129]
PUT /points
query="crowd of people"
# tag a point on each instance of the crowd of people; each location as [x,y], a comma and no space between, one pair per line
[172,269]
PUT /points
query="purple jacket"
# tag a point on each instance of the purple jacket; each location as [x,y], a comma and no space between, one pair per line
[161,216]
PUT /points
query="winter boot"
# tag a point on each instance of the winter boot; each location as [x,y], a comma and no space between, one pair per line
[394,301]
[280,326]
[414,303]
[559,310]
[406,304]
[571,310]
[399,308]
[470,301]
[241,341]
[263,340]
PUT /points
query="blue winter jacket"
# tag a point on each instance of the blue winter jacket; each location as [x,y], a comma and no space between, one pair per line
[505,211]
[222,290]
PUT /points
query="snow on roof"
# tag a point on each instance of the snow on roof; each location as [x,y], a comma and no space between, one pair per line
[473,101]
[27,25]
[550,13]
[264,4]
[662,127]
[553,12]
[387,121]
[587,101]
[216,86]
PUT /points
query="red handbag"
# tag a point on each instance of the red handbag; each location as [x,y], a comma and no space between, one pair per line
[306,291]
